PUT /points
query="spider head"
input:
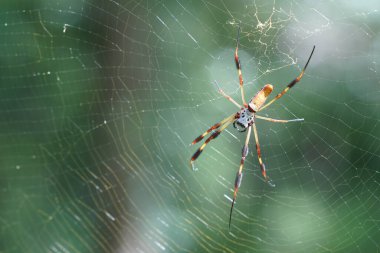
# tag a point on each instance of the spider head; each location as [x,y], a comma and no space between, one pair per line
[259,99]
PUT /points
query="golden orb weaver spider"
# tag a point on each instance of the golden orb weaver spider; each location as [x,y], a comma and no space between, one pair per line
[245,119]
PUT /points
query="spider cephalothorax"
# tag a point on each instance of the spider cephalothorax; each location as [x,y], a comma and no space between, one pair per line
[245,119]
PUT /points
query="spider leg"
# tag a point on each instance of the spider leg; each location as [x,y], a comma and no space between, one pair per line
[291,84]
[213,136]
[238,67]
[278,120]
[262,165]
[230,98]
[239,174]
[216,126]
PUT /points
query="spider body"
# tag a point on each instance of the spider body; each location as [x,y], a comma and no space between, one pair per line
[246,116]
[244,120]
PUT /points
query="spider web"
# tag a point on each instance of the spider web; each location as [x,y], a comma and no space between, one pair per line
[100,100]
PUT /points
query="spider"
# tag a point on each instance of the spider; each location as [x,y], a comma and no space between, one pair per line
[244,120]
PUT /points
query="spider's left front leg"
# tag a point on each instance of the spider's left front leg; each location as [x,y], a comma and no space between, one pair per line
[239,174]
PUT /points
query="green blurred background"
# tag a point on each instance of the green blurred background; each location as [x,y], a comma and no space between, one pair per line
[100,100]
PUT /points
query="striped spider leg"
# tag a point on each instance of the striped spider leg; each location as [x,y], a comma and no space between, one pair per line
[291,84]
[244,120]
[216,129]
[238,67]
[239,174]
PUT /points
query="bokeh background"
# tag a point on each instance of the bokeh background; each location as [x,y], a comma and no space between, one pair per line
[100,99]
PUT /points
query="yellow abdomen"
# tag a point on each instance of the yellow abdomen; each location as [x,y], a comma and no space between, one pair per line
[261,96]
